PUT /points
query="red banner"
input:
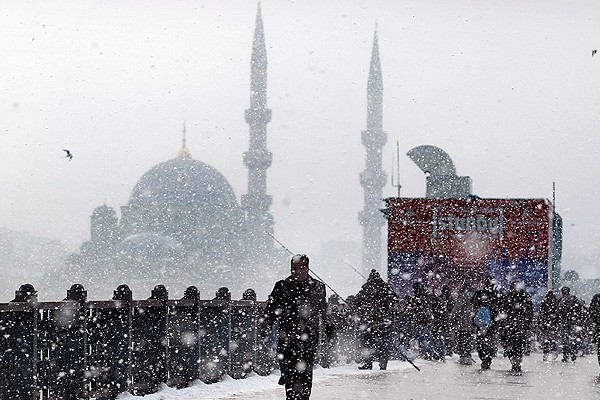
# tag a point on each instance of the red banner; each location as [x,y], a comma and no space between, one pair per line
[448,241]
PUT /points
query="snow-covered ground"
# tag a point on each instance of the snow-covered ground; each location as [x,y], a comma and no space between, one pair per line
[254,383]
[442,380]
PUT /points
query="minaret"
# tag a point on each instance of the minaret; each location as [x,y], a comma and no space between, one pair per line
[373,179]
[257,202]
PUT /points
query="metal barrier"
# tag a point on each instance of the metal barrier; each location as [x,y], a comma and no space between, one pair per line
[77,349]
[19,366]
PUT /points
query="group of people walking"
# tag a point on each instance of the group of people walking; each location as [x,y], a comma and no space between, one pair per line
[378,325]
[486,320]
[568,324]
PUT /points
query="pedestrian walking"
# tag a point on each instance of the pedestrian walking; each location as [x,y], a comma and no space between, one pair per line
[441,308]
[461,322]
[350,333]
[447,301]
[518,307]
[548,326]
[329,344]
[373,304]
[594,311]
[486,303]
[569,320]
[298,304]
[421,315]
[582,332]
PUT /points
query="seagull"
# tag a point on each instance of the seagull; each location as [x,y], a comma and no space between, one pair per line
[69,155]
[594,52]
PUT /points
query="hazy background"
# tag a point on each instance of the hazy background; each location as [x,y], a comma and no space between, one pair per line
[510,90]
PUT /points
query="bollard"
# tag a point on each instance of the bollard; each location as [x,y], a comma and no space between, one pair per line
[184,340]
[61,346]
[242,343]
[18,322]
[109,341]
[149,343]
[74,355]
[214,337]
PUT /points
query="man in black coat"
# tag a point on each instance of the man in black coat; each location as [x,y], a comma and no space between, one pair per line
[570,313]
[548,325]
[298,304]
[518,307]
[442,320]
[595,318]
[421,316]
[373,305]
[485,341]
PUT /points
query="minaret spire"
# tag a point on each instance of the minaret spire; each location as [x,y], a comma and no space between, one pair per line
[258,158]
[373,179]
[258,65]
[375,89]
[183,151]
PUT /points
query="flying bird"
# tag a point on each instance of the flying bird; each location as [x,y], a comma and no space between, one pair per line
[69,155]
[594,52]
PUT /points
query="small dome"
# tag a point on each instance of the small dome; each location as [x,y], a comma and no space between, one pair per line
[103,211]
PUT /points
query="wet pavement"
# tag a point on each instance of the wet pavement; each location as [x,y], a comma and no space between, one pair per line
[449,381]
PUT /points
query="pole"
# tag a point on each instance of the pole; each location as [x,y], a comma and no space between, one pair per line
[397,185]
[309,270]
[355,270]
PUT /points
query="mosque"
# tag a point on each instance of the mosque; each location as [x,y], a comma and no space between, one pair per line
[183,225]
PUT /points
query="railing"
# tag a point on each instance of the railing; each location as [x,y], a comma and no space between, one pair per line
[77,349]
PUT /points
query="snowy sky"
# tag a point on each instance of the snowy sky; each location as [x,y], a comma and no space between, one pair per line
[508,89]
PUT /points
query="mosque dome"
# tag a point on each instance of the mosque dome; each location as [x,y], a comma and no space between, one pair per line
[188,201]
[183,181]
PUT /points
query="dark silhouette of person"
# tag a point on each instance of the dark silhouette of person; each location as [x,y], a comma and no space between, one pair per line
[594,311]
[461,319]
[440,331]
[569,320]
[518,307]
[485,340]
[421,318]
[298,304]
[548,325]
[373,305]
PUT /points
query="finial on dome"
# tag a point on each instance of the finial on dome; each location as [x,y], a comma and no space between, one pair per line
[184,152]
